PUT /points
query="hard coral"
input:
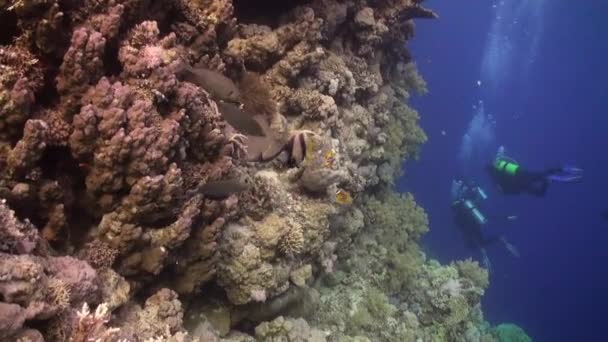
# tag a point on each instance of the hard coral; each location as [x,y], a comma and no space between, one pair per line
[91,86]
[15,236]
[207,17]
[82,66]
[258,52]
[289,329]
[20,77]
[160,317]
[36,285]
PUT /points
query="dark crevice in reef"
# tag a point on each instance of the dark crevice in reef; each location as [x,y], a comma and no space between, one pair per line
[8,27]
[264,12]
[58,164]
[111,63]
[164,15]
[48,94]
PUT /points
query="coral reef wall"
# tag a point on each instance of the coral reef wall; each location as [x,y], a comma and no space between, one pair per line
[136,207]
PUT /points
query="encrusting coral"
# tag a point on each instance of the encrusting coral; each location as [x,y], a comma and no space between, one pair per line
[136,203]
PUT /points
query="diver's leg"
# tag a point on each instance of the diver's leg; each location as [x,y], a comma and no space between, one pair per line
[539,188]
[533,182]
[485,259]
[510,247]
[485,242]
[565,174]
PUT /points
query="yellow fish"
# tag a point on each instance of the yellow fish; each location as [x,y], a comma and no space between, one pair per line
[309,149]
[343,197]
[329,159]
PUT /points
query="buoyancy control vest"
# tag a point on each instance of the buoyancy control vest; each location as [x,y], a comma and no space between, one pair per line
[505,166]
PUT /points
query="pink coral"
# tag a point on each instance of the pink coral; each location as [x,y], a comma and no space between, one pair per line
[36,286]
[12,317]
[15,236]
[82,65]
[78,276]
[150,61]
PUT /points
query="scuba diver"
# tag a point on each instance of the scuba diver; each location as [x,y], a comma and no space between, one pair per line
[512,179]
[466,197]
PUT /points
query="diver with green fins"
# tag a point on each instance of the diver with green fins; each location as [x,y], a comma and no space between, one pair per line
[513,179]
[468,216]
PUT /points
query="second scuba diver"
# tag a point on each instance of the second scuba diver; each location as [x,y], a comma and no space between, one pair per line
[466,197]
[513,179]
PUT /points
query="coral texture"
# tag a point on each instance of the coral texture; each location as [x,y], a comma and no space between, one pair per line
[134,206]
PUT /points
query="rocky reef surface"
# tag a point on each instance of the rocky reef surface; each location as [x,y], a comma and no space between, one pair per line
[107,231]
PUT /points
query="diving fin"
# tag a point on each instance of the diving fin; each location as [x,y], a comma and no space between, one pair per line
[560,178]
[572,170]
[485,260]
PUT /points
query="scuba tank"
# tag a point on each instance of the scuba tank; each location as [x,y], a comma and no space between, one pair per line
[477,215]
[481,195]
[504,163]
[506,166]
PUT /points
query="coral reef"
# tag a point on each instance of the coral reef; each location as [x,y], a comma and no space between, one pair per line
[507,332]
[106,149]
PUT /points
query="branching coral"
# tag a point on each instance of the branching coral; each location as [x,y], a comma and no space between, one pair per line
[92,325]
[82,65]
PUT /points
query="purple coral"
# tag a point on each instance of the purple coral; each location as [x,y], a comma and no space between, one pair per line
[15,236]
[82,63]
[77,275]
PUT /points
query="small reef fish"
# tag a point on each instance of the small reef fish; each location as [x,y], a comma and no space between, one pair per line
[219,86]
[309,149]
[223,188]
[241,121]
[300,147]
[343,197]
[329,159]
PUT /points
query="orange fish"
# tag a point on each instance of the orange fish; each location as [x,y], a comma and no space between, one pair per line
[343,197]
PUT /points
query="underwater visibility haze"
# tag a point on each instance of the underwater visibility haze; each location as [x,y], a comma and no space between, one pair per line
[310,170]
[527,75]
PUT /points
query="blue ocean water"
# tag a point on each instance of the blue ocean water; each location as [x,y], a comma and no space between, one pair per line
[540,70]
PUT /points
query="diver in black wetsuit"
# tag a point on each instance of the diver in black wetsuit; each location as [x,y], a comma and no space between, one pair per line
[512,179]
[466,197]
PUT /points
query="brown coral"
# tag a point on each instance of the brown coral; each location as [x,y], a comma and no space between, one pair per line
[20,77]
[292,242]
[82,65]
